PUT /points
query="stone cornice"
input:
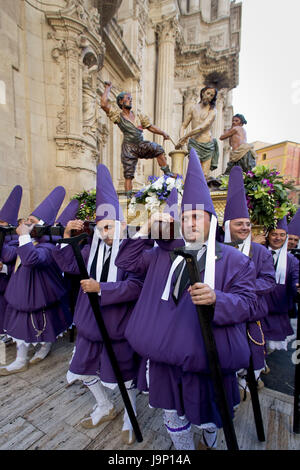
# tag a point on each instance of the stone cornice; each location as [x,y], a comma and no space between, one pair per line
[118,51]
[107,9]
[62,23]
[210,61]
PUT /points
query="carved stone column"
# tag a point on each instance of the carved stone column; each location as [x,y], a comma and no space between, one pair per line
[224,8]
[191,96]
[194,6]
[167,32]
[218,129]
[228,114]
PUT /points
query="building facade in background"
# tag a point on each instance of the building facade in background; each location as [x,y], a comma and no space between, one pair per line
[285,157]
[55,57]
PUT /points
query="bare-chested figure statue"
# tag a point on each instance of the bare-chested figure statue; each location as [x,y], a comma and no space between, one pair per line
[134,146]
[202,116]
[242,154]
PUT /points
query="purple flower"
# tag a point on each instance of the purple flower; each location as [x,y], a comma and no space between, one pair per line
[250,174]
[139,193]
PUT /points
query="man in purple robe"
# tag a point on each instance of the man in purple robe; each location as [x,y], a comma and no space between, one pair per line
[294,232]
[276,325]
[118,291]
[8,216]
[164,326]
[37,308]
[237,228]
[294,243]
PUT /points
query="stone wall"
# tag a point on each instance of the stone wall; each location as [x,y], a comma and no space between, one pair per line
[55,57]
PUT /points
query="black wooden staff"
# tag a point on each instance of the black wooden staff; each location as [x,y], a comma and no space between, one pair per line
[296,419]
[252,384]
[2,238]
[4,231]
[94,301]
[205,316]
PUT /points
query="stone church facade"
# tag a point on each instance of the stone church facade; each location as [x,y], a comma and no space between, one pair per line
[56,56]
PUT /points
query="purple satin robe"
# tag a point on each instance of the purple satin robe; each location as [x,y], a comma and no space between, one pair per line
[169,333]
[265,283]
[276,325]
[8,257]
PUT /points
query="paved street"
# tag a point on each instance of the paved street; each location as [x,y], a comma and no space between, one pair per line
[39,411]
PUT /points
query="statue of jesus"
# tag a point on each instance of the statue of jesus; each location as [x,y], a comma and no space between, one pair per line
[202,116]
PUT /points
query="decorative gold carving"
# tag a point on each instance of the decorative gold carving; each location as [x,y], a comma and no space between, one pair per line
[219,201]
[177,157]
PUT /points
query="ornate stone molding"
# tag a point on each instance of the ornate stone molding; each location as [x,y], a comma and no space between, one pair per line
[78,51]
[79,25]
[195,59]
[169,30]
[75,152]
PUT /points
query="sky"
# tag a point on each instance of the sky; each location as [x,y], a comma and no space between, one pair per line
[268,94]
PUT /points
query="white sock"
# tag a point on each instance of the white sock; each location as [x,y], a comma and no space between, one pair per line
[42,352]
[210,437]
[95,386]
[126,421]
[241,376]
[21,359]
[179,430]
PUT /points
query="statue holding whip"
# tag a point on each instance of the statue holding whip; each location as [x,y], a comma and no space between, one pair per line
[133,146]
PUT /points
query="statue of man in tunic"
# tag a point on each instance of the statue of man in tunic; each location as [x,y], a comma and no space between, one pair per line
[202,116]
[134,146]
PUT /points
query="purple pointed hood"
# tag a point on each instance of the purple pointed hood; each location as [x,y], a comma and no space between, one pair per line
[282,224]
[49,207]
[107,202]
[69,212]
[10,209]
[294,225]
[172,205]
[236,204]
[196,191]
